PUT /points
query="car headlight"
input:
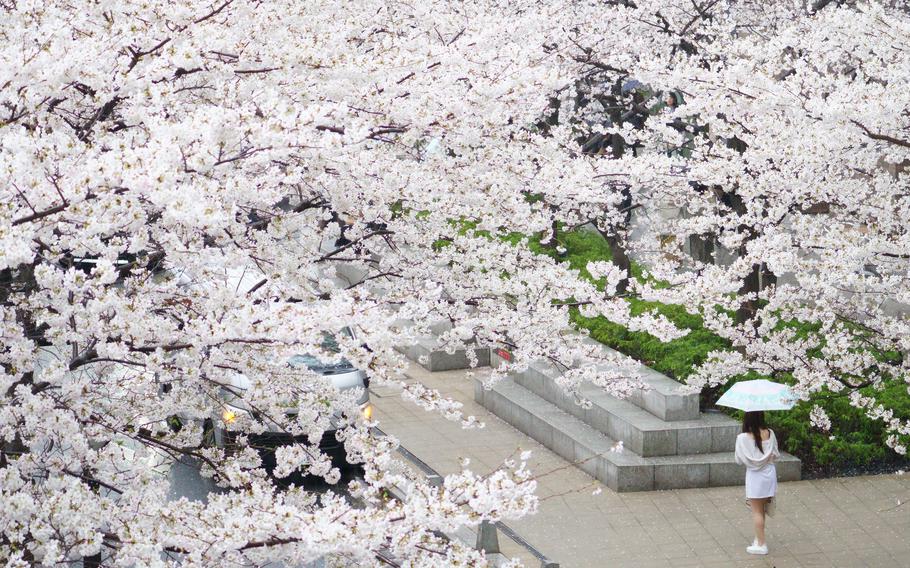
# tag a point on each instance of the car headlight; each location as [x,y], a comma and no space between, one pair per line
[366,410]
[230,414]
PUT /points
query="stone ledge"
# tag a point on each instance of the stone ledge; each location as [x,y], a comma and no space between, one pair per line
[662,397]
[572,439]
[427,353]
[640,431]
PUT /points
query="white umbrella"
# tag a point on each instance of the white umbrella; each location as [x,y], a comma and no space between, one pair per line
[758,395]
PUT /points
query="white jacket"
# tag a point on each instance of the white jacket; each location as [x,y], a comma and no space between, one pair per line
[747,453]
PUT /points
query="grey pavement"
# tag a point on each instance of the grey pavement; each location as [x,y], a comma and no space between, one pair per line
[840,522]
[186,481]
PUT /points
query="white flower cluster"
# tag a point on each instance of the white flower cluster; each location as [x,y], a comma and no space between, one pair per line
[819,418]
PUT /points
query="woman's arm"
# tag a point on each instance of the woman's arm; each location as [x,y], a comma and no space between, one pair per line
[738,451]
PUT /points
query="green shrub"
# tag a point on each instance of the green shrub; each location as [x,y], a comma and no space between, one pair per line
[854,439]
[676,358]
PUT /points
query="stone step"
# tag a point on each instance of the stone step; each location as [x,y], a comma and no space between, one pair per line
[426,352]
[662,397]
[589,449]
[640,431]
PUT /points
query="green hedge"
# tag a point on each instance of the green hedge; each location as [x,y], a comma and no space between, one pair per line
[675,358]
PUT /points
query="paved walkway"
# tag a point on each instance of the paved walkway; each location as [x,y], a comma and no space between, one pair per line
[843,522]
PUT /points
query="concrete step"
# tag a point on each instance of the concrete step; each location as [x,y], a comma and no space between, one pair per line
[662,397]
[640,431]
[589,449]
[427,353]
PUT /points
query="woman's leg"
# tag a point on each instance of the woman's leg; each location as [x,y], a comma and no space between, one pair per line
[758,519]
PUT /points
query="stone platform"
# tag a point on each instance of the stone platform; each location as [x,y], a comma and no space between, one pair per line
[668,443]
[427,353]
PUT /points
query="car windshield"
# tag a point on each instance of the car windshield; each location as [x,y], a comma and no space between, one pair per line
[329,344]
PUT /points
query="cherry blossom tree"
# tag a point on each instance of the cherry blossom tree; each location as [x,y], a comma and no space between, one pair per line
[367,165]
[196,190]
[784,149]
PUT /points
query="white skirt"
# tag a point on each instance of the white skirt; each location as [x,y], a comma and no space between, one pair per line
[762,482]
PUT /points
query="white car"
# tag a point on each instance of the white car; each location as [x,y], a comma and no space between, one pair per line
[341,373]
[343,376]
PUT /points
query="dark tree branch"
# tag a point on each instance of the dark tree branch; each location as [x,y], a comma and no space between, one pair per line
[255,71]
[40,214]
[882,137]
[386,130]
[355,242]
[335,129]
[819,4]
[373,277]
[138,54]
[214,12]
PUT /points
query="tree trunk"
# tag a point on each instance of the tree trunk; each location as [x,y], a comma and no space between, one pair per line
[620,259]
[701,248]
[748,308]
[757,280]
[617,239]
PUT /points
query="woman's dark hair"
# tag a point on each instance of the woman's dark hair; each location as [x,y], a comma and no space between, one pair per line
[753,422]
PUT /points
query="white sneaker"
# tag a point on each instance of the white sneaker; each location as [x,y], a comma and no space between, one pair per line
[756,549]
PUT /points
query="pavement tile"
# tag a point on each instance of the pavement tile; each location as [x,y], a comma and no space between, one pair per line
[815,560]
[685,563]
[652,563]
[700,543]
[681,550]
[715,559]
[802,547]
[831,543]
[880,559]
[625,522]
[755,562]
[786,561]
[848,558]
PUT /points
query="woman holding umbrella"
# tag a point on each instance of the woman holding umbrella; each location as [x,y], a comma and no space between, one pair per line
[756,447]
